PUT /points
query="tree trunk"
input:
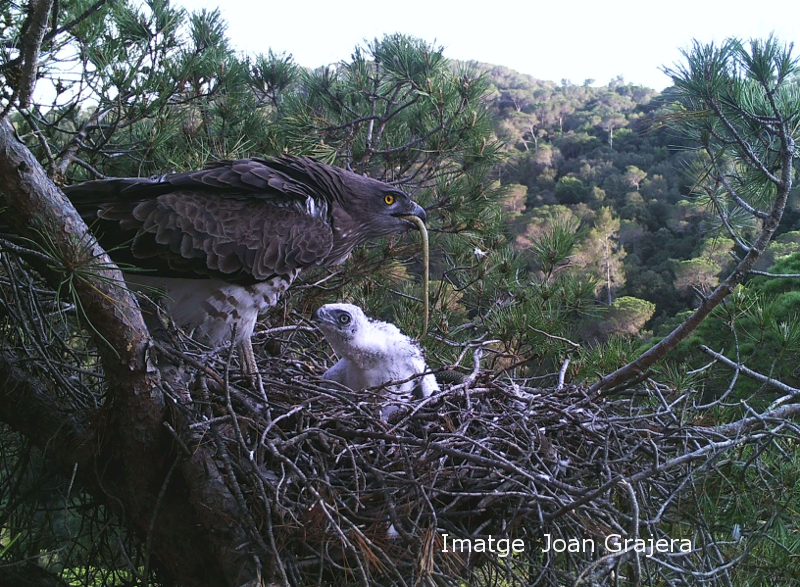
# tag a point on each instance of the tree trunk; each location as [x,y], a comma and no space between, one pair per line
[194,521]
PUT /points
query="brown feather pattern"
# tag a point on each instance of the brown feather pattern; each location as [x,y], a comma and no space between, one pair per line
[249,226]
[193,232]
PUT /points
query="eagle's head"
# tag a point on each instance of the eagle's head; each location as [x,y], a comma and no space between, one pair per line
[360,208]
[376,208]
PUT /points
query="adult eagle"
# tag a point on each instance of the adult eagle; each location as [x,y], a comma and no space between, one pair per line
[225,242]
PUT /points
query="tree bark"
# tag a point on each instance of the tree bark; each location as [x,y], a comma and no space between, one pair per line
[35,25]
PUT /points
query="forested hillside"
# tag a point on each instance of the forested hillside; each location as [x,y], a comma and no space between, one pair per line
[606,157]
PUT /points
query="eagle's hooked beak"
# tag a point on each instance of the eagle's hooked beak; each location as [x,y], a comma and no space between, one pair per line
[418,213]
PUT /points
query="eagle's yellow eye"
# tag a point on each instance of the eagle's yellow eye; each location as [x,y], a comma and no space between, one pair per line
[389,199]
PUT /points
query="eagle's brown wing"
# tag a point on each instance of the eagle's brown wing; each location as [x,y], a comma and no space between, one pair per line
[258,178]
[239,221]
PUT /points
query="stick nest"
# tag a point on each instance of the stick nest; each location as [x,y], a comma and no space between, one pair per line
[332,494]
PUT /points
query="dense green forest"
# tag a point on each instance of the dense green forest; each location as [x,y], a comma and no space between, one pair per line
[574,230]
[606,158]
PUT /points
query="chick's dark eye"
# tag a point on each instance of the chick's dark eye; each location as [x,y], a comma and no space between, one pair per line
[389,199]
[344,319]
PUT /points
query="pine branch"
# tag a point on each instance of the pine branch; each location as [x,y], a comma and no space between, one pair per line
[784,185]
[35,25]
[77,20]
[750,373]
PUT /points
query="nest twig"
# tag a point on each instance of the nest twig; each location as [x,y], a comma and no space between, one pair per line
[346,498]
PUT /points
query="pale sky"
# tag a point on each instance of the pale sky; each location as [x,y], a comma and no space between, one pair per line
[548,39]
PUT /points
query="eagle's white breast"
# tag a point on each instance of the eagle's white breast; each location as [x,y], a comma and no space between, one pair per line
[211,307]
